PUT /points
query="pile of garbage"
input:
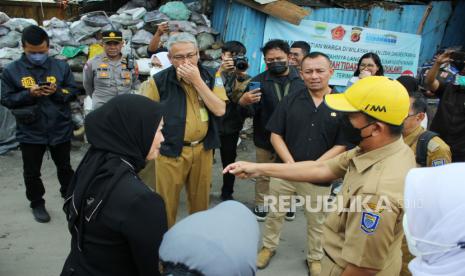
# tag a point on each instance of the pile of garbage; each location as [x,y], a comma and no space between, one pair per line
[72,41]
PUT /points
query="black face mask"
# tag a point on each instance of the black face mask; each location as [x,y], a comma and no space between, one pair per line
[353,134]
[277,67]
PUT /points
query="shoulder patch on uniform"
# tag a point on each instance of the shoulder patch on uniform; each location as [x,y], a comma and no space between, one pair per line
[369,222]
[438,162]
[433,145]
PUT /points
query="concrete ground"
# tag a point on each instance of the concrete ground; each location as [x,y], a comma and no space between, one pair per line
[28,248]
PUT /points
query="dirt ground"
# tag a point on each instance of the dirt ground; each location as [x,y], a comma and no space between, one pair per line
[28,248]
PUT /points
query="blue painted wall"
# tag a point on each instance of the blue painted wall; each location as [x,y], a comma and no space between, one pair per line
[455,35]
[238,22]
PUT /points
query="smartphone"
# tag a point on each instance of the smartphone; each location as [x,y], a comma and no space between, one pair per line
[254,85]
[41,83]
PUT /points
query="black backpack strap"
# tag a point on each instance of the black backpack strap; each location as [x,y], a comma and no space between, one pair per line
[422,147]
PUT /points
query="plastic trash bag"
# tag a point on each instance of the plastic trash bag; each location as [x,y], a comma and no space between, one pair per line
[81,31]
[10,53]
[55,23]
[4,30]
[142,37]
[205,29]
[124,19]
[61,36]
[18,24]
[3,17]
[198,19]
[95,19]
[142,52]
[137,13]
[213,53]
[71,52]
[77,64]
[111,27]
[155,16]
[183,26]
[176,10]
[195,6]
[205,41]
[10,40]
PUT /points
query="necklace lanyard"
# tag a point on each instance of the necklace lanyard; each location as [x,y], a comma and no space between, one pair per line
[277,89]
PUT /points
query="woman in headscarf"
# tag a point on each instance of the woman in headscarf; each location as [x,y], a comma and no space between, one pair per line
[116,221]
[220,241]
[433,223]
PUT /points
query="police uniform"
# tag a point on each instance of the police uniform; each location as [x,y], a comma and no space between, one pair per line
[438,151]
[104,78]
[366,229]
[189,165]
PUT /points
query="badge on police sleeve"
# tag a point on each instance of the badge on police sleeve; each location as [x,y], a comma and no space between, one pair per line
[369,222]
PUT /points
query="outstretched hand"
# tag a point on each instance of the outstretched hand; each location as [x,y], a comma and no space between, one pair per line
[242,169]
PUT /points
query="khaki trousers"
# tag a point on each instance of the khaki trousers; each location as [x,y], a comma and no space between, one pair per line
[147,174]
[315,216]
[262,184]
[192,169]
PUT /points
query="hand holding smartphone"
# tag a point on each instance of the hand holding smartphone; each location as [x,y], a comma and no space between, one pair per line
[253,85]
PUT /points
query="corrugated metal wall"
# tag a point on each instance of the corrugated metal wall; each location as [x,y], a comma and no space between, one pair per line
[455,34]
[238,22]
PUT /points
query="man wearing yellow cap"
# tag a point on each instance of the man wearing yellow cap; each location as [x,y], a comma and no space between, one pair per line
[109,74]
[363,232]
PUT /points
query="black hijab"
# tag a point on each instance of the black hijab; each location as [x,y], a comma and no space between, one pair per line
[121,133]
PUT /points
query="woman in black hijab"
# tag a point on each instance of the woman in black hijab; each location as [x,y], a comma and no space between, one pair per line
[116,221]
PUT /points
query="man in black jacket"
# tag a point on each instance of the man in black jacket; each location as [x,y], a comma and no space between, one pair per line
[195,100]
[38,89]
[233,72]
[276,82]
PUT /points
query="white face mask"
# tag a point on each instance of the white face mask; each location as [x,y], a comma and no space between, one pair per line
[434,248]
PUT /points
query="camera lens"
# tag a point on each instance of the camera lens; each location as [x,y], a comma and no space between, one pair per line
[241,63]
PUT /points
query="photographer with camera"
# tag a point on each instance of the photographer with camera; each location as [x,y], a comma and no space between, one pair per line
[233,71]
[449,121]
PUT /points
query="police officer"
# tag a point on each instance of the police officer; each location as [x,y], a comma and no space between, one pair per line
[109,74]
[38,90]
[363,234]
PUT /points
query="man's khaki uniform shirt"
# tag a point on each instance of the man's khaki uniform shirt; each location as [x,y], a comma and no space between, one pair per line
[438,151]
[371,236]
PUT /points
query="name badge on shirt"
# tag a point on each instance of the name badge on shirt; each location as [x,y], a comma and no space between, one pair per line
[203,114]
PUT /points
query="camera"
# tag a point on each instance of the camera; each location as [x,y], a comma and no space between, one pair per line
[241,62]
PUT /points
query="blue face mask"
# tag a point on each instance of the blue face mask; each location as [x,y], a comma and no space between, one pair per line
[460,80]
[37,58]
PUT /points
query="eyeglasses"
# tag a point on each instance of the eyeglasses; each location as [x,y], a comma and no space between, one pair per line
[188,56]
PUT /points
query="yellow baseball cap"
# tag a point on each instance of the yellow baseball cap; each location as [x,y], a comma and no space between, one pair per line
[383,99]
